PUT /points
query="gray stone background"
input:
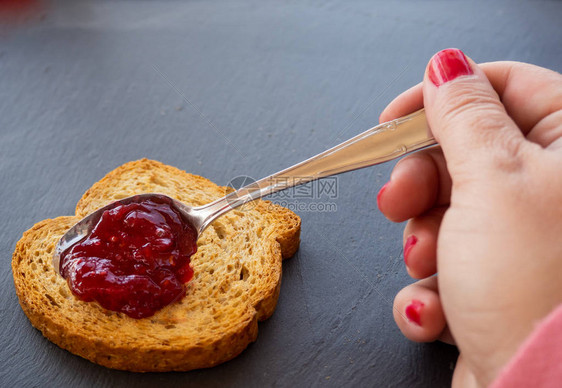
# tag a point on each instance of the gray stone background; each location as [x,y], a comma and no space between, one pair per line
[230,88]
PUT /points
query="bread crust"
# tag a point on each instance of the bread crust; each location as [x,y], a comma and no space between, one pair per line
[236,283]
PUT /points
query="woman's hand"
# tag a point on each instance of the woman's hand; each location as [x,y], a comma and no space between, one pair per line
[484,210]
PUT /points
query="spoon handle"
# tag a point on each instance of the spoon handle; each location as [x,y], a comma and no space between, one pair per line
[380,144]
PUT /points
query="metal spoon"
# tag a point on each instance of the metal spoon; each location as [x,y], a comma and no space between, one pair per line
[380,144]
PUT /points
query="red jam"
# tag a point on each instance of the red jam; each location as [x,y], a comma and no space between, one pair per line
[136,259]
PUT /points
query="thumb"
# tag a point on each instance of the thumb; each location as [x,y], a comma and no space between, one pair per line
[467,117]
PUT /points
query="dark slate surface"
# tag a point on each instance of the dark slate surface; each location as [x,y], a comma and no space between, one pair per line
[229,88]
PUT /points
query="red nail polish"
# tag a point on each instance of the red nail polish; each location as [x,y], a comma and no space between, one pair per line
[380,194]
[410,242]
[413,311]
[447,65]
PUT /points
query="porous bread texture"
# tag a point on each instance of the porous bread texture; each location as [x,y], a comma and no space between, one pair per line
[236,281]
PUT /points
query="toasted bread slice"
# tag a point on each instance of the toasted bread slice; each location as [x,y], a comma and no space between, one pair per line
[236,282]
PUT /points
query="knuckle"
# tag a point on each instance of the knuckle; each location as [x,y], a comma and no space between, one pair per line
[502,146]
[508,153]
[492,131]
[469,105]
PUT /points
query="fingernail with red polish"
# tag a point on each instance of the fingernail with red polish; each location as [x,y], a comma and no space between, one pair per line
[410,242]
[380,194]
[413,311]
[447,65]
